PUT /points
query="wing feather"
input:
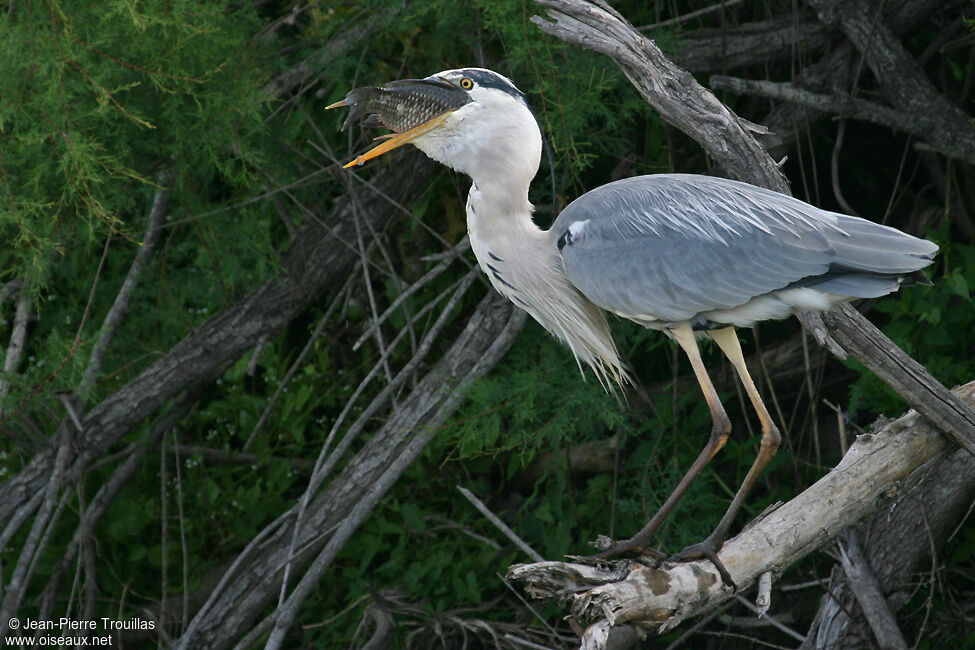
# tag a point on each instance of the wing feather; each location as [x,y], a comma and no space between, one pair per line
[671,246]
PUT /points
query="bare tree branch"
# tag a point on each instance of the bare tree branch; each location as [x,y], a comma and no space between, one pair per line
[659,599]
[18,337]
[867,590]
[120,308]
[947,127]
[843,105]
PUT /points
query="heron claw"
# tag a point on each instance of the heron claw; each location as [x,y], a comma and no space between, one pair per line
[707,548]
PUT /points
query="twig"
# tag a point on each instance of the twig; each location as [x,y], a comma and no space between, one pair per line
[185,618]
[771,619]
[834,170]
[676,20]
[500,525]
[120,308]
[524,643]
[445,258]
[255,357]
[18,336]
[72,412]
[528,606]
[865,587]
[367,282]
[163,534]
[804,585]
[447,524]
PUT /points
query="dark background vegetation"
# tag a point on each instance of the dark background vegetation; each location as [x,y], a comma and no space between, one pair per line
[107,107]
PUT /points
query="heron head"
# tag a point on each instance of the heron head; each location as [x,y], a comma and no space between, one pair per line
[471,119]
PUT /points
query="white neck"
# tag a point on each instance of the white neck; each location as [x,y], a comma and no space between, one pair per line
[496,142]
[522,262]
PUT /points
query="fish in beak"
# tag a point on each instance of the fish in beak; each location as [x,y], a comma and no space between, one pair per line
[410,108]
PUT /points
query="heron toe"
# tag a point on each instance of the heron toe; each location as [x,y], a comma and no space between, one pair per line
[707,548]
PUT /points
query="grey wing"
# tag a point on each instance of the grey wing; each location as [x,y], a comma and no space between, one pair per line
[671,246]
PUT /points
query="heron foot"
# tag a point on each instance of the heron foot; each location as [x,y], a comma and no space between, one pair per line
[706,549]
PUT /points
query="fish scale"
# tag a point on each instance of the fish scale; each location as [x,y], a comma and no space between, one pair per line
[398,106]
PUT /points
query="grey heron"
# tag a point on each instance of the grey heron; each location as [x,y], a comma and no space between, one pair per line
[690,255]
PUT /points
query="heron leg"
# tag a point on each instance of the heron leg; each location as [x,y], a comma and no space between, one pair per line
[720,429]
[727,340]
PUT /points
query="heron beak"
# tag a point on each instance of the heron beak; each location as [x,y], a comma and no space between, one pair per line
[409,107]
[395,140]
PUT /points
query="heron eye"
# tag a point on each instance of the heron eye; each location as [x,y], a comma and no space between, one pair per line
[466,83]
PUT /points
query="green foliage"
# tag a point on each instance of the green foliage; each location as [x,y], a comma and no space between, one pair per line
[95,121]
[89,111]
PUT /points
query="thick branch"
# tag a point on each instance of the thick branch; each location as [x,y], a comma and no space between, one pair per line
[659,599]
[842,105]
[671,90]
